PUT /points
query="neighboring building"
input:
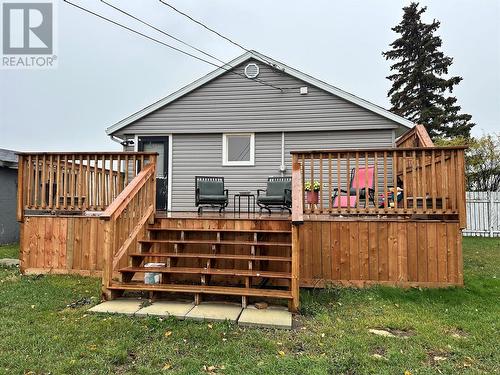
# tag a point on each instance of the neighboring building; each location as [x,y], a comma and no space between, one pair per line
[242,121]
[9,228]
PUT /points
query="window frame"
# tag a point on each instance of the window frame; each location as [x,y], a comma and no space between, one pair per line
[243,163]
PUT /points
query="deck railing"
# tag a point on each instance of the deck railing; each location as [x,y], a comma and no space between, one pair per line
[407,181]
[65,182]
[124,220]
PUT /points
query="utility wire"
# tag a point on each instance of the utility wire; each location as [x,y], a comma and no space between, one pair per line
[180,40]
[164,44]
[163,32]
[213,31]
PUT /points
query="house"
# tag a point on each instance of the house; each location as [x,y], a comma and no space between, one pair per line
[227,124]
[389,209]
[9,228]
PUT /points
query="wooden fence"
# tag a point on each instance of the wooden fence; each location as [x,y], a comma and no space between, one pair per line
[483,214]
[361,252]
[431,181]
[65,182]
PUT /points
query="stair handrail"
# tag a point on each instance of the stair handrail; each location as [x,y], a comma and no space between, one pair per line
[123,199]
[136,204]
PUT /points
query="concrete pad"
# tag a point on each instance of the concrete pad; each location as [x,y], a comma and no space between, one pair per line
[272,317]
[167,308]
[7,262]
[215,312]
[118,306]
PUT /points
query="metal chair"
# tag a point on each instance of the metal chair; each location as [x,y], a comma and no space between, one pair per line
[278,194]
[210,192]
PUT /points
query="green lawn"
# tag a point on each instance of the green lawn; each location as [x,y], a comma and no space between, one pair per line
[448,331]
[9,251]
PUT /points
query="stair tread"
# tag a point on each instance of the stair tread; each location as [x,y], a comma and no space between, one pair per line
[231,230]
[209,271]
[207,289]
[223,242]
[215,256]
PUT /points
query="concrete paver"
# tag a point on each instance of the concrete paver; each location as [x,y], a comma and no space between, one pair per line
[118,306]
[271,317]
[215,311]
[167,308]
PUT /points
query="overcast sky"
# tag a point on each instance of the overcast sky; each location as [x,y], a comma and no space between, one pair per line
[105,73]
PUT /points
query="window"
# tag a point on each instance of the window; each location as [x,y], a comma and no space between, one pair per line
[238,149]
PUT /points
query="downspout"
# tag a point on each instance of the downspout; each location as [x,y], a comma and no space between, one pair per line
[282,166]
[122,142]
[115,139]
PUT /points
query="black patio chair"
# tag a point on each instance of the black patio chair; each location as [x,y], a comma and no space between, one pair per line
[210,192]
[277,195]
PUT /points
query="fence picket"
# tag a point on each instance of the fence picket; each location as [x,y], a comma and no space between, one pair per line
[483,211]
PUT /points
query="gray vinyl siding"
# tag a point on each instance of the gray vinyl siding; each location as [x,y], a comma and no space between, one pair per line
[234,103]
[9,227]
[328,140]
[201,154]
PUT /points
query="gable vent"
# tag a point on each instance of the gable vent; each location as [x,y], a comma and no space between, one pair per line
[251,70]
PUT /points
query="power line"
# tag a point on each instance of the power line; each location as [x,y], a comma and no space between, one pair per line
[212,30]
[164,44]
[203,25]
[163,32]
[181,41]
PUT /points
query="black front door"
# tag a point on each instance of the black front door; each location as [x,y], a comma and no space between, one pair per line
[159,145]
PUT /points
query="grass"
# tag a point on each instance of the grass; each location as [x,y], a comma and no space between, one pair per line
[9,251]
[41,335]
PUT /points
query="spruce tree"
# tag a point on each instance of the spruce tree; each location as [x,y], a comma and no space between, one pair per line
[420,84]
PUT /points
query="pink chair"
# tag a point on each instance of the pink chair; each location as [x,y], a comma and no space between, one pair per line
[345,201]
[359,181]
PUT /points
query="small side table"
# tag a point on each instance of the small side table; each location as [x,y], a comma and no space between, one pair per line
[249,196]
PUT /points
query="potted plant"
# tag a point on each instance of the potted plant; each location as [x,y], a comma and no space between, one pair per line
[312,190]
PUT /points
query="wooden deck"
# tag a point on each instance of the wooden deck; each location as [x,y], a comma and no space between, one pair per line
[94,214]
[227,215]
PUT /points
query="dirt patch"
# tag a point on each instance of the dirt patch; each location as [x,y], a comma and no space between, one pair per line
[457,333]
[401,332]
[435,357]
[378,354]
[391,332]
[379,350]
[81,302]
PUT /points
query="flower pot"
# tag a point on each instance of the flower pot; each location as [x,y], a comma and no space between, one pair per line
[312,197]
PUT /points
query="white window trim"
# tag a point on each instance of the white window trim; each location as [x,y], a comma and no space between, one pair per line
[228,163]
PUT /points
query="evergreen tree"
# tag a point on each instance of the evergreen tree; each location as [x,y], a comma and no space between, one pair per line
[420,87]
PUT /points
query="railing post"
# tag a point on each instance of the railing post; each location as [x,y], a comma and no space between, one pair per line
[107,271]
[153,181]
[297,220]
[460,185]
[297,193]
[20,189]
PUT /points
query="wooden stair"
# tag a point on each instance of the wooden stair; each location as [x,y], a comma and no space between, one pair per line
[208,271]
[204,289]
[250,263]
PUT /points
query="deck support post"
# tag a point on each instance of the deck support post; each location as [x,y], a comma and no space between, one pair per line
[297,220]
[294,303]
[197,299]
[107,271]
